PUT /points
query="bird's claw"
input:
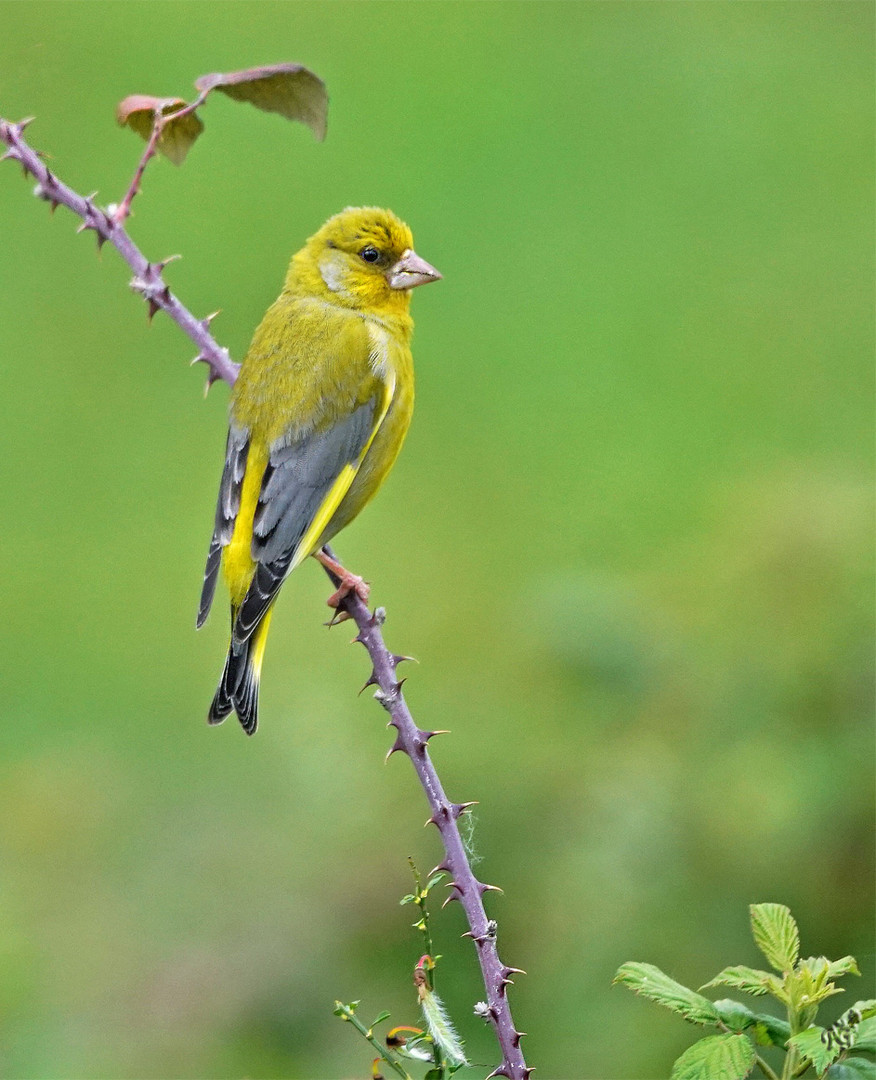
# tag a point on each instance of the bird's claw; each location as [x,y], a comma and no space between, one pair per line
[350,583]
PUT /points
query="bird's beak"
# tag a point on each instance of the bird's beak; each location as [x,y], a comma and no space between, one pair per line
[411,270]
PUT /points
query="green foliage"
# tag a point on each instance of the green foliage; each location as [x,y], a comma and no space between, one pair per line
[652,983]
[804,985]
[716,1057]
[776,934]
[439,1043]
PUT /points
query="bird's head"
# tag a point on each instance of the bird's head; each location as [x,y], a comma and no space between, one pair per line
[363,258]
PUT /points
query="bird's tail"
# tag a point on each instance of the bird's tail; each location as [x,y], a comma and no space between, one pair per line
[238,689]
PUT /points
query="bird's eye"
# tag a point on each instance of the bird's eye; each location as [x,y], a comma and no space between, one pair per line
[369,254]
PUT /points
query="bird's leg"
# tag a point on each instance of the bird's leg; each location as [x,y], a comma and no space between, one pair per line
[348,583]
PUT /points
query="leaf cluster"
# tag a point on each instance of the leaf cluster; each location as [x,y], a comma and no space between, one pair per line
[291,90]
[798,984]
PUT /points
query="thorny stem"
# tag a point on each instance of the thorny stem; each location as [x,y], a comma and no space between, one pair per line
[410,739]
[464,886]
[147,279]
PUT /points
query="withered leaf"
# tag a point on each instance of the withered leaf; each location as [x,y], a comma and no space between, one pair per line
[178,135]
[288,89]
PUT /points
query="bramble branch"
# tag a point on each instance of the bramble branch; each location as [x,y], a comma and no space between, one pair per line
[410,739]
[148,279]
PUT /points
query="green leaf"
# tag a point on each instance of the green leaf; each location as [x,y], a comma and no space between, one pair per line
[434,880]
[409,899]
[749,980]
[288,89]
[865,1038]
[771,1031]
[434,1074]
[717,1057]
[776,934]
[852,1068]
[813,1045]
[736,1016]
[768,1030]
[381,1016]
[139,112]
[341,1009]
[846,965]
[652,983]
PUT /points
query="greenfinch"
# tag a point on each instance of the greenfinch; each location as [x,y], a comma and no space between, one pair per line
[318,415]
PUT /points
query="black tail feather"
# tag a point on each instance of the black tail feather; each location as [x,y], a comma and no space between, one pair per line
[238,689]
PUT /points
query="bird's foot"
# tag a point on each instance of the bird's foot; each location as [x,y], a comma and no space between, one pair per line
[347,582]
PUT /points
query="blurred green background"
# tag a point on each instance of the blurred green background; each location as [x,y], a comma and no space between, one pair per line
[629,538]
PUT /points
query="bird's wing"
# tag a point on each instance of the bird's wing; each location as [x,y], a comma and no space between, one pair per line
[304,482]
[227,506]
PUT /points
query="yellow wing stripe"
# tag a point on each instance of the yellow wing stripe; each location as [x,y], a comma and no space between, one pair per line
[339,488]
[237,561]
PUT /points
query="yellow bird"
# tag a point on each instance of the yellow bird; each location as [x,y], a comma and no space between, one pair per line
[318,415]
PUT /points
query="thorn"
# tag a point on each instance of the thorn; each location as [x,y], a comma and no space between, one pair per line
[159,266]
[468,933]
[338,616]
[153,307]
[502,985]
[458,809]
[506,971]
[397,690]
[211,378]
[528,1072]
[11,155]
[499,1071]
[396,746]
[431,734]
[22,124]
[442,867]
[205,322]
[453,885]
[450,898]
[397,659]
[372,678]
[490,888]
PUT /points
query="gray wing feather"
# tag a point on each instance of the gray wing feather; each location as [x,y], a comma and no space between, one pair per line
[227,506]
[298,477]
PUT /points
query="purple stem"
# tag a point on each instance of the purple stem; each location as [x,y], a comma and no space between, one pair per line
[147,275]
[410,739]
